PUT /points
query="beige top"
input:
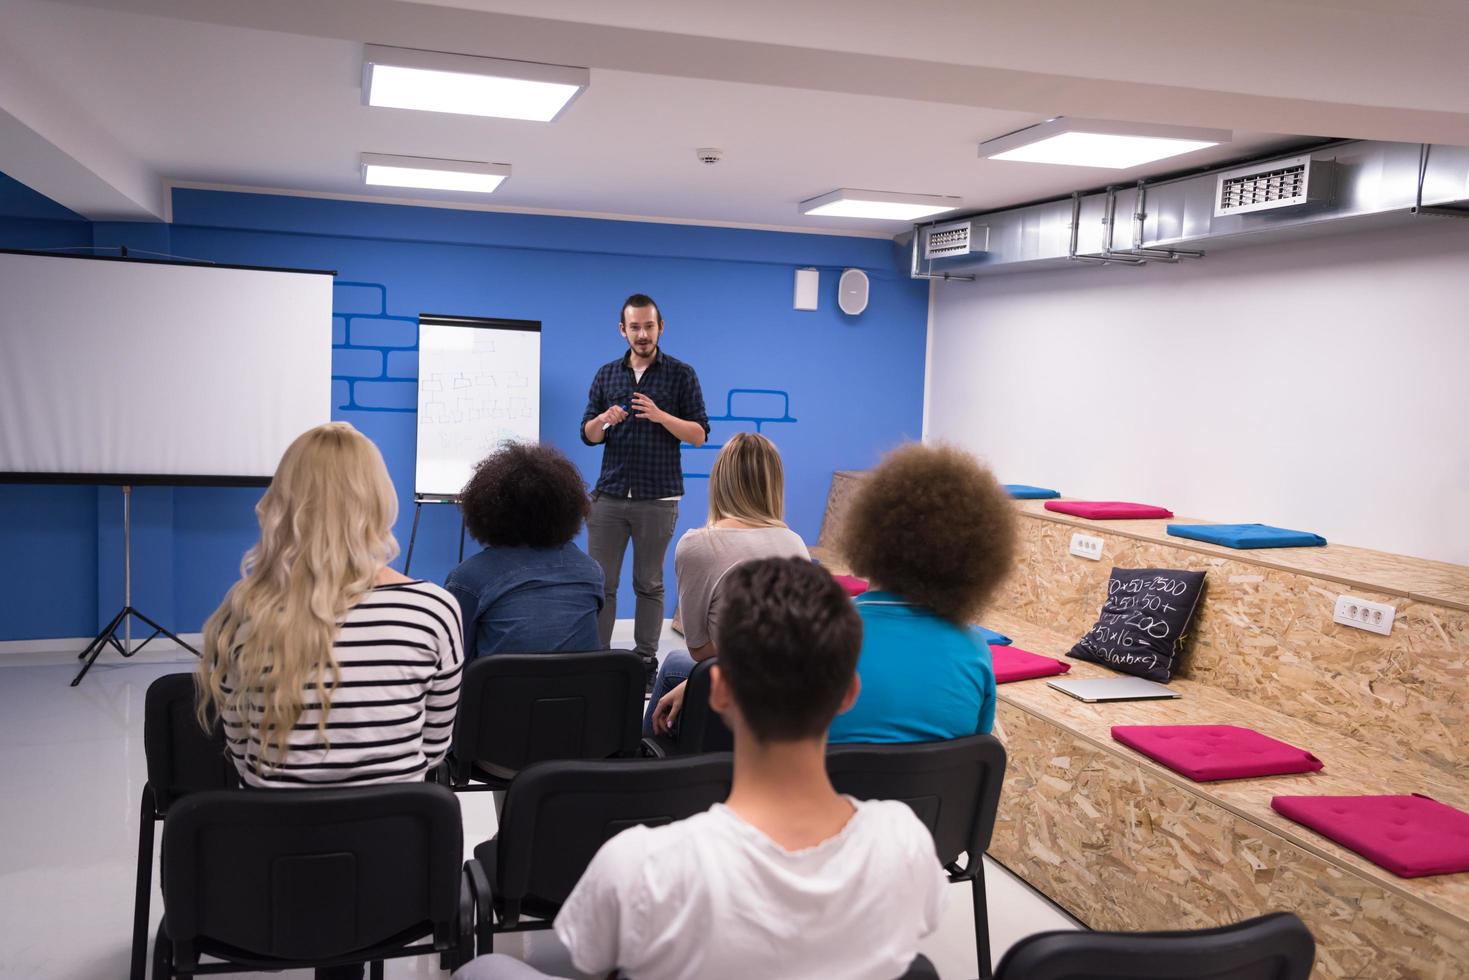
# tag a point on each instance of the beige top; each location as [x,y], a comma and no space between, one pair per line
[703,557]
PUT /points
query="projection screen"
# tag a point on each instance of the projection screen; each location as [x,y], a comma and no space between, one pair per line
[121,371]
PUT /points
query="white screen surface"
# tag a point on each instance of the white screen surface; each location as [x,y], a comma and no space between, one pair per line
[479,385]
[112,368]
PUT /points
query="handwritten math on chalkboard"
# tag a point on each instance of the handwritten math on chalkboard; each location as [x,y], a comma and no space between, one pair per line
[1143,622]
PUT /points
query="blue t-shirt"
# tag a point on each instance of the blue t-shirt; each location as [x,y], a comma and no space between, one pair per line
[528,600]
[923,678]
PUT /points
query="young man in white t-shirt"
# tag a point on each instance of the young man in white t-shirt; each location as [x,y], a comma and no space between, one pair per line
[787,878]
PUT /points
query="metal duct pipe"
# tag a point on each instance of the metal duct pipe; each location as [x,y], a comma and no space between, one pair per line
[1343,186]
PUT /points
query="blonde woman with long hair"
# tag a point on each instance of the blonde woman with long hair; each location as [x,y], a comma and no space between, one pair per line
[326,666]
[746,522]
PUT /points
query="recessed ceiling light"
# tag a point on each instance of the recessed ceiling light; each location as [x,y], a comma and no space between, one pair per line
[383,170]
[849,203]
[1099,143]
[402,78]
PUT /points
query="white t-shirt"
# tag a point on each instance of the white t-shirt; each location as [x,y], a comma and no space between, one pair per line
[713,897]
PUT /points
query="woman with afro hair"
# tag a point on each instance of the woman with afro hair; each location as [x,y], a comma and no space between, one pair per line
[934,534]
[530,590]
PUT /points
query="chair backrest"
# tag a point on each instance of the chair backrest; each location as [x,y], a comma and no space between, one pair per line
[1272,947]
[700,729]
[953,786]
[520,708]
[310,874]
[557,814]
[182,757]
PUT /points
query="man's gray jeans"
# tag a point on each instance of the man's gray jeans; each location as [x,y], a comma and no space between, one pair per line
[649,525]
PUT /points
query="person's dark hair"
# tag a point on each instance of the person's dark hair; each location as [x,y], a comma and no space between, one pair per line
[788,639]
[931,524]
[639,299]
[525,494]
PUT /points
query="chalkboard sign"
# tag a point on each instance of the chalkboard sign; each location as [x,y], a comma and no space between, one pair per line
[1143,621]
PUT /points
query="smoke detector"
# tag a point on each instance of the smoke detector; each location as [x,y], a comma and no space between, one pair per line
[709,154]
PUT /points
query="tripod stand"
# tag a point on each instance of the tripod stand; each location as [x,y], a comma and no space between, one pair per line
[418,501]
[124,618]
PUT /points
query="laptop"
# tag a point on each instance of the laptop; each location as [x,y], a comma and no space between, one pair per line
[1113,689]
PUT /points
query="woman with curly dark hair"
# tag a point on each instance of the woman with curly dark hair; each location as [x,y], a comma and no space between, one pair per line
[530,590]
[935,535]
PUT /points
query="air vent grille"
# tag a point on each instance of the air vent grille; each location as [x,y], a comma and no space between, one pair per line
[1284,186]
[1278,184]
[947,240]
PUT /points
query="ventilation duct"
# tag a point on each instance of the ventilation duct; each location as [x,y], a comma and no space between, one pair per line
[1339,187]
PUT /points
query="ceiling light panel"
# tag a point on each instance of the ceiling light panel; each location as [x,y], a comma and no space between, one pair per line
[1099,143]
[403,78]
[882,205]
[384,170]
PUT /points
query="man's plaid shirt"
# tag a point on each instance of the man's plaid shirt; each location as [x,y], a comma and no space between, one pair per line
[640,458]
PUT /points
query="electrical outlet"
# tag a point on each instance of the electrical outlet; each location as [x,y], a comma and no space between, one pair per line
[1086,546]
[1374,617]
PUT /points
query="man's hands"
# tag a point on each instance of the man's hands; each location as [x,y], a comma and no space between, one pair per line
[612,417]
[668,708]
[645,408]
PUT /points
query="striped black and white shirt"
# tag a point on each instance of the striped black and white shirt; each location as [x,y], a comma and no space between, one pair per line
[392,714]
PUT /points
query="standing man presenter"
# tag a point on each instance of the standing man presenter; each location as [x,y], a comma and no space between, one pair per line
[640,407]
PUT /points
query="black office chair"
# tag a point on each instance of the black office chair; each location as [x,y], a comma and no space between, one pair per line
[1271,947]
[953,786]
[274,879]
[700,729]
[520,708]
[557,814]
[182,759]
[921,968]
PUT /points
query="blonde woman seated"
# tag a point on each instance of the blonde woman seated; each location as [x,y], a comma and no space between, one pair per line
[326,666]
[746,522]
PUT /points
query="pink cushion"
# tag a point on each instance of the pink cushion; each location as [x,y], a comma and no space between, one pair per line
[1205,753]
[1012,664]
[1411,836]
[1106,510]
[854,586]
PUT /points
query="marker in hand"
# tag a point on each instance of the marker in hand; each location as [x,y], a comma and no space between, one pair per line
[617,414]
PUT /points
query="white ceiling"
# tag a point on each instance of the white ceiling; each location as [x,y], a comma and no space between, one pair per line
[101,103]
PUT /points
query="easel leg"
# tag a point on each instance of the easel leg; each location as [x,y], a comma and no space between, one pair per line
[412,535]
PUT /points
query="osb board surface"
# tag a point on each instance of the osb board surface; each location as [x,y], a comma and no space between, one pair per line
[1350,768]
[1122,847]
[1266,635]
[1399,575]
[843,483]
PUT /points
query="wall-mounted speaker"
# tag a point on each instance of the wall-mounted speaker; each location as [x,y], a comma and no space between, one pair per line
[852,292]
[808,288]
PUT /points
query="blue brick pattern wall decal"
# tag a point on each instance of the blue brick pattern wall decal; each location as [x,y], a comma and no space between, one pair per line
[754,409]
[374,353]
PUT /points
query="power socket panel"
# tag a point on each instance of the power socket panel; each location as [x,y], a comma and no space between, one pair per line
[1086,546]
[1363,614]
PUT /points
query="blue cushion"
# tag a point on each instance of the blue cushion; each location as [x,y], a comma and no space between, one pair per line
[1247,535]
[990,636]
[1020,491]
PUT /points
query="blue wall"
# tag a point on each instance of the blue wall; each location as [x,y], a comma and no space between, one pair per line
[832,391]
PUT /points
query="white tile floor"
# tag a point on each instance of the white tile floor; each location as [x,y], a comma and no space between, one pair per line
[72,760]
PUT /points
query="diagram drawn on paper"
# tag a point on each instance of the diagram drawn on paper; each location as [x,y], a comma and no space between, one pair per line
[478,387]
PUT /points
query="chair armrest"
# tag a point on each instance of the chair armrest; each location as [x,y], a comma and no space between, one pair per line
[464,942]
[970,869]
[483,899]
